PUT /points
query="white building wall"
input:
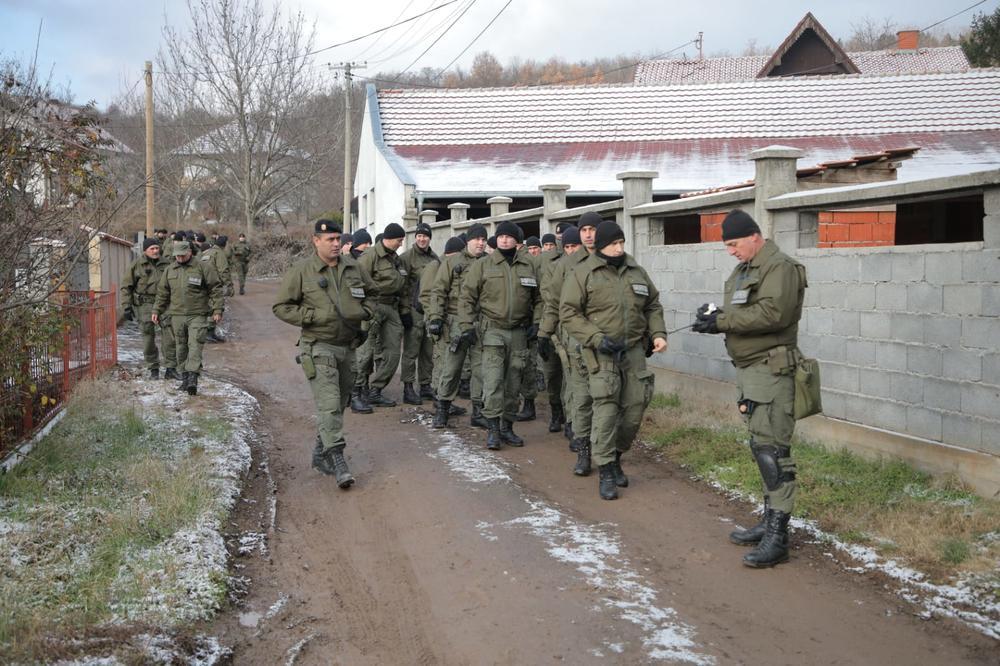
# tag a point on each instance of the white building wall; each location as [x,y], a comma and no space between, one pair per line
[380,191]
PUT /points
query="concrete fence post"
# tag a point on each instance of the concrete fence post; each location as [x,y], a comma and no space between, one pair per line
[991,220]
[637,189]
[459,213]
[553,201]
[774,175]
[499,205]
[428,217]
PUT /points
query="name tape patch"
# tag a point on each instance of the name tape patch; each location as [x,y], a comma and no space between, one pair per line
[641,289]
[529,282]
[196,281]
[358,292]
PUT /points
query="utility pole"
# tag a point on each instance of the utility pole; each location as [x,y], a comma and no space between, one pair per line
[701,55]
[149,149]
[348,180]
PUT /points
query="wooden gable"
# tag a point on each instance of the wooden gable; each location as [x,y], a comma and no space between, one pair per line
[808,50]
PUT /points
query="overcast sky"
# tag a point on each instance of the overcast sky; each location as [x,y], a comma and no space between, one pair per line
[97,47]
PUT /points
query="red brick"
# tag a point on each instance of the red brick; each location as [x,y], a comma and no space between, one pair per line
[836,232]
[860,232]
[825,216]
[884,231]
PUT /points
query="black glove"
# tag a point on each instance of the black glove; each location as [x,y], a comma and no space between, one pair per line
[649,347]
[435,327]
[545,347]
[362,336]
[702,310]
[468,337]
[129,314]
[532,332]
[706,323]
[610,346]
[407,320]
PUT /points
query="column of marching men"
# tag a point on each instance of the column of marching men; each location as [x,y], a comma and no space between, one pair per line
[496,321]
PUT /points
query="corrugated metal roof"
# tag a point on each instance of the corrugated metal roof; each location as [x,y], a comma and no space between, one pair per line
[778,107]
[742,68]
[683,165]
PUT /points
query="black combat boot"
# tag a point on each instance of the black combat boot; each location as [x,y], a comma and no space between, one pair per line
[753,535]
[376,399]
[427,392]
[527,412]
[773,548]
[441,414]
[577,442]
[154,373]
[507,434]
[455,410]
[185,378]
[568,431]
[170,373]
[192,387]
[213,336]
[242,292]
[359,402]
[464,389]
[410,396]
[477,420]
[607,487]
[493,438]
[344,478]
[556,417]
[582,458]
[320,460]
[620,479]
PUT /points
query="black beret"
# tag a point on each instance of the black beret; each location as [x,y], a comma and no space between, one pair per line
[532,241]
[738,224]
[589,219]
[548,238]
[454,244]
[571,236]
[509,229]
[424,229]
[607,233]
[150,242]
[476,231]
[361,237]
[393,230]
[327,227]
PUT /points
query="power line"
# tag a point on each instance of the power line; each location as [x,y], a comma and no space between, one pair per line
[446,30]
[474,39]
[890,39]
[417,40]
[370,46]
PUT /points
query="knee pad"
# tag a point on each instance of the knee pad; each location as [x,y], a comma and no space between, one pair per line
[767,456]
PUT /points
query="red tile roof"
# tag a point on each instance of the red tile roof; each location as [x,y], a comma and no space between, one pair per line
[743,68]
[778,107]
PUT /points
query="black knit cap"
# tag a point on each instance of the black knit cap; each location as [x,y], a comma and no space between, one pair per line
[150,242]
[532,241]
[393,230]
[548,238]
[563,226]
[327,227]
[571,236]
[589,219]
[738,224]
[476,231]
[346,239]
[200,237]
[492,242]
[361,237]
[221,241]
[424,229]
[607,233]
[454,244]
[509,229]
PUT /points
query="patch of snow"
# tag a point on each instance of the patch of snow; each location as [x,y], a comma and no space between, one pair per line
[253,541]
[293,652]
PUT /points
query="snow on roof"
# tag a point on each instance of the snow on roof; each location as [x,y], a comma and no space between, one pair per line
[849,105]
[743,68]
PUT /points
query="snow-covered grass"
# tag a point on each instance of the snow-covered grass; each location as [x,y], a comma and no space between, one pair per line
[937,541]
[114,519]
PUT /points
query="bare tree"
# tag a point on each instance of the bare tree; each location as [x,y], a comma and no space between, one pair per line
[248,67]
[870,34]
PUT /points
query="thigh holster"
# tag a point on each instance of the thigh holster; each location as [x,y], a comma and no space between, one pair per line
[767,456]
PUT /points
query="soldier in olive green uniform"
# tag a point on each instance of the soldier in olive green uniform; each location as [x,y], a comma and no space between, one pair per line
[529,378]
[392,314]
[418,347]
[760,317]
[239,253]
[581,405]
[216,254]
[500,303]
[610,304]
[548,347]
[329,297]
[454,246]
[442,320]
[190,292]
[138,296]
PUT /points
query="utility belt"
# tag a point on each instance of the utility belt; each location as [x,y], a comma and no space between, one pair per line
[492,323]
[388,300]
[781,360]
[143,299]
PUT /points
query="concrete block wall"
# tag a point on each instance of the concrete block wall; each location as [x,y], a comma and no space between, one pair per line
[908,337]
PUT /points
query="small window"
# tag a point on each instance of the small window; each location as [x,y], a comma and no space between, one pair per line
[681,229]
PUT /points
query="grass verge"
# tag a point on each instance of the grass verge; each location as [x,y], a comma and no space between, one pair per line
[97,520]
[934,525]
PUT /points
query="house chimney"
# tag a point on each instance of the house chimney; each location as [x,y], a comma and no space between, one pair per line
[908,40]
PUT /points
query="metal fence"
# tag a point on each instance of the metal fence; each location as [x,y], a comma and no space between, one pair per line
[35,385]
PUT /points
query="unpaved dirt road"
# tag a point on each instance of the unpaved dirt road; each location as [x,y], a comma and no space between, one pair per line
[444,553]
